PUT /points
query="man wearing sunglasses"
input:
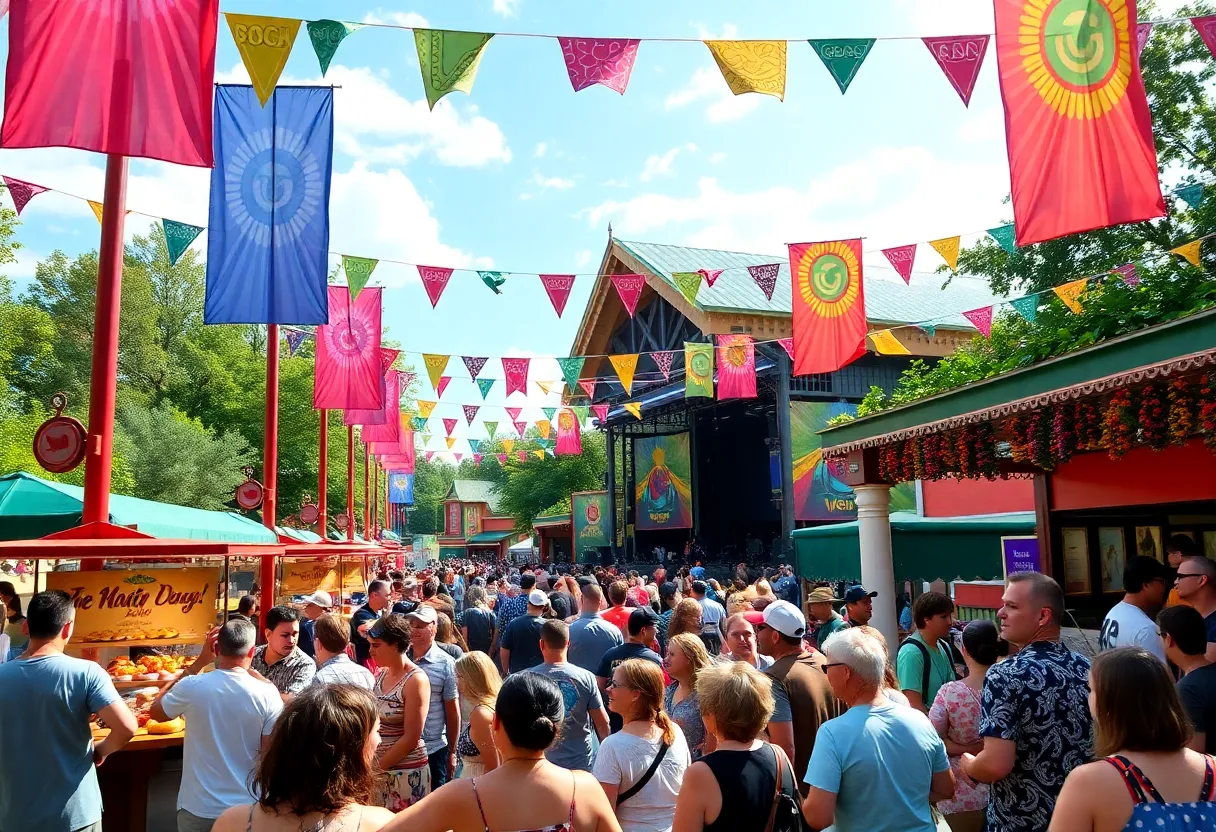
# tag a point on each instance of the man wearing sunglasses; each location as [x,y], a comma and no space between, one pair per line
[1196,583]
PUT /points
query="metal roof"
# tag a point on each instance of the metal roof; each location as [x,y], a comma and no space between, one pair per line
[887,301]
[474,491]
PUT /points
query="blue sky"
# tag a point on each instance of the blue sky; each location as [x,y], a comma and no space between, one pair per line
[526,174]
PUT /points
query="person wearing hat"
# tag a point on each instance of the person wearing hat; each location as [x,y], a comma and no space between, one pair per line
[741,639]
[442,724]
[859,605]
[520,646]
[639,635]
[802,697]
[819,603]
[408,601]
[315,606]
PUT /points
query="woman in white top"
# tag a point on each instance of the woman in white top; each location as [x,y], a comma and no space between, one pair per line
[624,758]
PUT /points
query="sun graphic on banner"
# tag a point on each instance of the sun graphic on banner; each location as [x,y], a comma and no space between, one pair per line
[349,340]
[736,352]
[1077,54]
[829,278]
[271,183]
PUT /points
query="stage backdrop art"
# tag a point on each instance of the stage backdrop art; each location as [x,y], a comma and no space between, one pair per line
[590,514]
[662,470]
[819,493]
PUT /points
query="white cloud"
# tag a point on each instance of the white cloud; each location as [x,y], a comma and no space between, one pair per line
[729,31]
[582,258]
[410,19]
[717,158]
[553,182]
[506,8]
[541,149]
[27,259]
[706,84]
[659,165]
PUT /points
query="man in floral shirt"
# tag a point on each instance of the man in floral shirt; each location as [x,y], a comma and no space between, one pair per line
[1035,717]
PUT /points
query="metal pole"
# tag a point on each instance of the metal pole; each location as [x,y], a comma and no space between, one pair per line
[350,482]
[612,490]
[270,459]
[323,477]
[784,369]
[376,496]
[103,381]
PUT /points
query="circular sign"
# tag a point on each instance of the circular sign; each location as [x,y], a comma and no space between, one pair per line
[1078,55]
[309,514]
[59,444]
[249,494]
[341,521]
[828,278]
[592,513]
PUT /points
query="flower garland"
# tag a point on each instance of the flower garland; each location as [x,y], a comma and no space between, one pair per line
[1207,410]
[1119,424]
[1016,430]
[931,447]
[1088,425]
[1040,440]
[1063,432]
[1154,424]
[986,463]
[964,446]
[1182,412]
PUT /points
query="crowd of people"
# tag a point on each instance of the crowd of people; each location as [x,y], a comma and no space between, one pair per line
[482,697]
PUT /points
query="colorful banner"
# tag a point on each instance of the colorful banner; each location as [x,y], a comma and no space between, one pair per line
[304,576]
[982,318]
[625,366]
[1128,274]
[629,289]
[401,489]
[751,65]
[264,44]
[765,277]
[829,305]
[295,337]
[605,61]
[1006,237]
[435,365]
[508,445]
[569,436]
[326,36]
[1027,307]
[843,57]
[901,259]
[588,386]
[960,58]
[68,60]
[736,367]
[662,469]
[516,372]
[444,381]
[448,61]
[1077,122]
[513,413]
[178,236]
[885,343]
[392,429]
[473,365]
[663,360]
[1189,251]
[376,415]
[589,515]
[634,408]
[601,413]
[571,368]
[268,231]
[491,428]
[1070,293]
[434,280]
[484,385]
[348,369]
[358,272]
[947,247]
[449,425]
[710,275]
[98,210]
[470,412]
[544,427]
[493,280]
[22,192]
[1192,195]
[698,370]
[557,287]
[134,607]
[689,284]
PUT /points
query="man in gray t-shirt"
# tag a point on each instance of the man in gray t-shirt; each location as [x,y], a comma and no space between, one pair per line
[590,635]
[581,696]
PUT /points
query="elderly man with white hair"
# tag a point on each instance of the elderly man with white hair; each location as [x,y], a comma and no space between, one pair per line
[879,766]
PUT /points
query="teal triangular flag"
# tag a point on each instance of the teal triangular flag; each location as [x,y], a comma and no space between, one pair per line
[843,57]
[1027,307]
[484,385]
[581,412]
[1005,235]
[493,280]
[548,411]
[572,368]
[419,423]
[178,237]
[474,445]
[325,36]
[928,329]
[1192,195]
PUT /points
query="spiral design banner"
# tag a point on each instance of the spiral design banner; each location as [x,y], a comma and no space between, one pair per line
[829,305]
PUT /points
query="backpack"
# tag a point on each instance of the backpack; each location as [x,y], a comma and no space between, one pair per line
[927,662]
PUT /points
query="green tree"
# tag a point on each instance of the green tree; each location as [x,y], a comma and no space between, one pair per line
[533,486]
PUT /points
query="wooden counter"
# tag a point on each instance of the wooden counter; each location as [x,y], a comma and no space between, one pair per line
[125,776]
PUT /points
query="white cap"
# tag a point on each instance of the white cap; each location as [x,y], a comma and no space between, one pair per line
[785,618]
[424,613]
[538,599]
[320,599]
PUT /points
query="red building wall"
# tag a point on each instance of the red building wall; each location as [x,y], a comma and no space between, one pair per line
[954,498]
[1142,477]
[497,524]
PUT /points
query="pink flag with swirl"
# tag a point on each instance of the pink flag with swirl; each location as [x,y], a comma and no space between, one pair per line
[516,371]
[605,61]
[736,367]
[348,366]
[375,416]
[569,439]
[390,429]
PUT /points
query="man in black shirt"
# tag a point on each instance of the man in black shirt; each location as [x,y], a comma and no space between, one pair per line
[641,628]
[365,616]
[1185,636]
[520,647]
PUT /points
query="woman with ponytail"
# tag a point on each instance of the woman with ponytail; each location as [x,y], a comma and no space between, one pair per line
[642,766]
[956,716]
[525,791]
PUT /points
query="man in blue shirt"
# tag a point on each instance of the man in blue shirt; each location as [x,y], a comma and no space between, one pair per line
[590,635]
[442,725]
[48,778]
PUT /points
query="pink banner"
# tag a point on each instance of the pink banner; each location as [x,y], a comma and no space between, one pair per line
[558,287]
[520,427]
[960,58]
[629,288]
[444,381]
[1207,31]
[710,275]
[516,371]
[523,455]
[502,459]
[473,365]
[588,385]
[434,280]
[663,360]
[736,367]
[348,364]
[787,344]
[389,430]
[1128,273]
[376,416]
[601,412]
[982,318]
[765,277]
[21,191]
[430,455]
[902,258]
[449,425]
[477,459]
[569,437]
[1143,30]
[513,412]
[404,458]
[470,412]
[606,61]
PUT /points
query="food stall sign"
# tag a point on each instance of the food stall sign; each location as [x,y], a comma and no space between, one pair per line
[59,442]
[140,607]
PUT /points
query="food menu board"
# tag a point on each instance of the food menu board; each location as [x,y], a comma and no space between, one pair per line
[141,606]
[304,576]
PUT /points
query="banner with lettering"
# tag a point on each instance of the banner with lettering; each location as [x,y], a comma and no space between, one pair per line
[141,606]
[304,576]
[590,516]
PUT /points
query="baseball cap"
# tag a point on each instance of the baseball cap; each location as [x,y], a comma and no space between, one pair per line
[856,593]
[409,583]
[641,617]
[753,617]
[785,618]
[538,599]
[320,599]
[424,613]
[820,595]
[668,590]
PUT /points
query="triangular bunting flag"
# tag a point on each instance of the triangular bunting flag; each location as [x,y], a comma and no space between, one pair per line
[444,381]
[689,284]
[22,192]
[546,387]
[710,275]
[448,60]
[520,427]
[97,208]
[1192,195]
[539,454]
[1189,251]
[588,385]
[902,258]
[325,36]
[885,343]
[448,426]
[434,280]
[425,409]
[663,360]
[477,460]
[516,371]
[418,423]
[580,412]
[470,413]
[635,408]
[765,277]
[1206,27]
[508,445]
[358,272]
[295,337]
[843,57]
[558,287]
[1027,307]
[981,318]
[605,61]
[787,344]
[1128,273]
[960,58]
[473,365]
[1143,30]
[947,247]
[629,289]
[264,44]
[751,65]
[625,366]
[572,368]
[435,365]
[928,329]
[502,459]
[491,428]
[542,427]
[601,413]
[426,437]
[430,456]
[513,412]
[450,440]
[178,237]
[484,385]
[493,280]
[457,456]
[522,455]
[549,412]
[1071,292]
[405,378]
[1005,236]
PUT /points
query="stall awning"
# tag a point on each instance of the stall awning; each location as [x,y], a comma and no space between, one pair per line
[551,521]
[923,548]
[31,507]
[489,538]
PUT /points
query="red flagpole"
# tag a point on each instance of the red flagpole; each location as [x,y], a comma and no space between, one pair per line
[375,496]
[270,459]
[367,484]
[323,477]
[350,482]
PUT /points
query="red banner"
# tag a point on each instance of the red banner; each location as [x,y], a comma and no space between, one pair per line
[736,367]
[389,430]
[558,287]
[569,438]
[348,367]
[829,305]
[376,416]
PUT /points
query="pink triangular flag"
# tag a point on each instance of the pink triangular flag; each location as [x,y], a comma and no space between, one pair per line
[765,277]
[405,378]
[434,279]
[20,190]
[588,385]
[710,275]
[473,365]
[558,287]
[629,288]
[502,459]
[601,412]
[520,427]
[902,258]
[470,412]
[458,456]
[444,381]
[449,425]
[1143,30]
[513,412]
[523,455]
[516,371]
[1128,273]
[606,61]
[477,460]
[960,57]
[982,318]
[664,359]
[430,455]
[787,344]
[1207,31]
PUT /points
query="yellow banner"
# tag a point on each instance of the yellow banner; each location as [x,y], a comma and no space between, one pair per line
[435,365]
[546,387]
[1071,293]
[304,576]
[635,408]
[751,65]
[947,247]
[625,366]
[425,409]
[97,209]
[451,440]
[141,605]
[508,445]
[539,454]
[265,44]
[885,343]
[1190,251]
[543,427]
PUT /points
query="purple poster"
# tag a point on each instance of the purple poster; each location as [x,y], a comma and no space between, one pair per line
[1020,554]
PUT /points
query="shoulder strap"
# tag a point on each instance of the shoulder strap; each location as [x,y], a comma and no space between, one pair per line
[1208,792]
[638,786]
[782,761]
[928,663]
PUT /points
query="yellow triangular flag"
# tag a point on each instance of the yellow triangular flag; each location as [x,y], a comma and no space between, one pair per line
[426,408]
[451,440]
[625,366]
[97,208]
[635,408]
[885,343]
[539,454]
[543,426]
[508,445]
[435,365]
[265,44]
[1071,292]
[1189,251]
[751,65]
[546,387]
[947,247]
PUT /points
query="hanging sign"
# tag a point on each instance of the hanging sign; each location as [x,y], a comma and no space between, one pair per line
[133,606]
[59,442]
[249,494]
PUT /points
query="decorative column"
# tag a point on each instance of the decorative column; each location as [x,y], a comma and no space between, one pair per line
[611,483]
[877,567]
[784,369]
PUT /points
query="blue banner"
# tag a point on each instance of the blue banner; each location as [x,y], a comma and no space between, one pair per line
[401,488]
[268,232]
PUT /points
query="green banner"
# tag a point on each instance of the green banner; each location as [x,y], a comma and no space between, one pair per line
[698,370]
[843,57]
[590,510]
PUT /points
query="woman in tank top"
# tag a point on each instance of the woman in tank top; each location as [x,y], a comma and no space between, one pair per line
[1145,777]
[478,682]
[403,694]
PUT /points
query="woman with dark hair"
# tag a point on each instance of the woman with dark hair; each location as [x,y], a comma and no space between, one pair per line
[685,618]
[403,693]
[956,716]
[448,638]
[13,618]
[526,791]
[317,772]
[1145,777]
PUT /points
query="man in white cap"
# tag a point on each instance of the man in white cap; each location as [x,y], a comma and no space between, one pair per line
[315,606]
[441,727]
[520,646]
[802,696]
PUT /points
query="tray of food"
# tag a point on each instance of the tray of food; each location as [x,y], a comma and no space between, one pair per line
[139,701]
[150,668]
